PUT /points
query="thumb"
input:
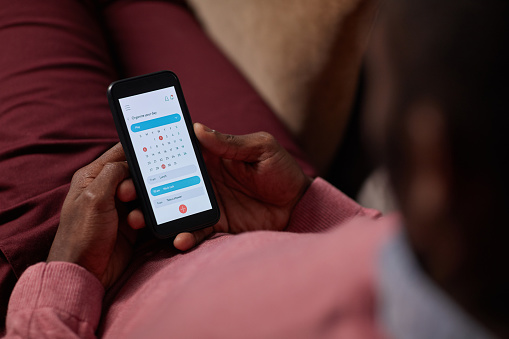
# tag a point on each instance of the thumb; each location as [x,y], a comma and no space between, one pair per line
[249,148]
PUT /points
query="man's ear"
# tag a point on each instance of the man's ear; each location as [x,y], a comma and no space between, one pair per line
[426,197]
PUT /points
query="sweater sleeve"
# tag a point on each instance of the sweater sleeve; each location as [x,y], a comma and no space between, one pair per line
[55,300]
[323,206]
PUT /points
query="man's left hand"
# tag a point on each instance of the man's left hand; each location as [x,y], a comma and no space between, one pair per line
[95,230]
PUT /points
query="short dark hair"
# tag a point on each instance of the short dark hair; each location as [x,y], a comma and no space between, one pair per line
[456,54]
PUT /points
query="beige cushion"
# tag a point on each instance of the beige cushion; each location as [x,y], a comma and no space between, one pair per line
[302,56]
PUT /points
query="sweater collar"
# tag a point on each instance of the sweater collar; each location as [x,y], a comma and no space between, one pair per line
[411,305]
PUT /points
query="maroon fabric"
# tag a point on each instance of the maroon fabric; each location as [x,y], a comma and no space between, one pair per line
[217,95]
[316,284]
[55,67]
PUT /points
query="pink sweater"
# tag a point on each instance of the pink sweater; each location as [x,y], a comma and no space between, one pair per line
[314,280]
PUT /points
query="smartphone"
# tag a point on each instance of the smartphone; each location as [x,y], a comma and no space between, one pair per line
[167,167]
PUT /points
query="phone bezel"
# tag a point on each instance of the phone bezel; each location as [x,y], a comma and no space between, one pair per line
[143,84]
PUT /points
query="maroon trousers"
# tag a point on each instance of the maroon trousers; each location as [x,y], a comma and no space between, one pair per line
[56,61]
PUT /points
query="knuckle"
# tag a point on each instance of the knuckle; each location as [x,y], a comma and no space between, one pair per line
[230,145]
[79,174]
[81,177]
[229,138]
[111,166]
[115,168]
[267,141]
[91,197]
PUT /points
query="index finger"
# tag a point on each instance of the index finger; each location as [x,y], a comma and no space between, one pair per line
[82,178]
[106,183]
[249,148]
[114,154]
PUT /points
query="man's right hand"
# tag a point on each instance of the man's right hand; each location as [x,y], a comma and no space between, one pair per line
[257,183]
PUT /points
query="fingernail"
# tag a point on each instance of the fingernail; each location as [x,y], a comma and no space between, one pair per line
[208,129]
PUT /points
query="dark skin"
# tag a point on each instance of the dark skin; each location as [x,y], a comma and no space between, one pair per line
[424,196]
[258,185]
[256,181]
[428,190]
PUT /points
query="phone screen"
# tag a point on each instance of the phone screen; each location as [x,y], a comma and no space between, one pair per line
[165,154]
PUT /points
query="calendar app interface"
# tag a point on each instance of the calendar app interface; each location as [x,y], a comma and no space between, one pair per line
[165,154]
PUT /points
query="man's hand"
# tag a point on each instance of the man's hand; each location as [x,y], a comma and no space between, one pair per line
[95,231]
[257,182]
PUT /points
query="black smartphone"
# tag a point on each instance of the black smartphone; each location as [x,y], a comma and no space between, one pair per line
[163,154]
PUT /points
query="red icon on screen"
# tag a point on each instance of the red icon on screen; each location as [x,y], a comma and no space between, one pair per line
[183,209]
[144,149]
[163,166]
[160,137]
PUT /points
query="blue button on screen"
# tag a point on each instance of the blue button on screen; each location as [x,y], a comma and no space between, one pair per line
[174,186]
[157,122]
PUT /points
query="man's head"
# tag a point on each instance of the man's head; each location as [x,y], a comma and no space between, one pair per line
[440,82]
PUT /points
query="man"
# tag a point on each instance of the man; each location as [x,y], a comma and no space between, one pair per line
[339,270]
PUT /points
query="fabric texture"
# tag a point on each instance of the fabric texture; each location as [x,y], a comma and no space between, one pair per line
[59,58]
[303,57]
[55,300]
[251,285]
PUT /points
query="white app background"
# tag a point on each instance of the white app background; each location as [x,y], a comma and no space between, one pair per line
[165,154]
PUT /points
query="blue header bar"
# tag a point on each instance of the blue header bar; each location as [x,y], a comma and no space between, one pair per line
[157,122]
[175,186]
